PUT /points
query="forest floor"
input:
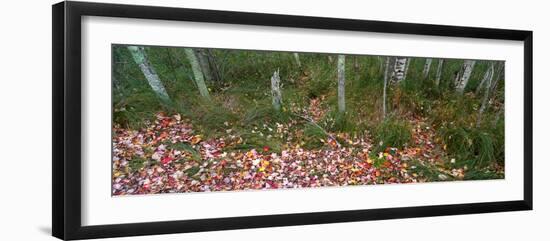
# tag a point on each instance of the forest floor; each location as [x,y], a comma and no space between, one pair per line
[170,156]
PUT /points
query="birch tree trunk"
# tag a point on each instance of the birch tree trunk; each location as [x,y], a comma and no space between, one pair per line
[197,72]
[276,97]
[398,73]
[499,75]
[438,73]
[140,57]
[385,87]
[341,83]
[467,68]
[406,69]
[489,75]
[426,70]
[297,58]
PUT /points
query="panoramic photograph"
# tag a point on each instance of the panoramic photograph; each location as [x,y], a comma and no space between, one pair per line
[191,120]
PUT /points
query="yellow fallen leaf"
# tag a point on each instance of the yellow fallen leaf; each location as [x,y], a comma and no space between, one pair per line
[369,161]
[196,139]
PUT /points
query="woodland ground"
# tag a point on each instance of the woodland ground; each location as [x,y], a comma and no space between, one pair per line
[237,141]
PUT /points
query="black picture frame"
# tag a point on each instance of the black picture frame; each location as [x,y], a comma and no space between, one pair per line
[66,129]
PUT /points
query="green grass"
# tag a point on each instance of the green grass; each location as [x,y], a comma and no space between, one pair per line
[136,163]
[313,136]
[185,147]
[392,133]
[429,172]
[482,175]
[473,147]
[242,101]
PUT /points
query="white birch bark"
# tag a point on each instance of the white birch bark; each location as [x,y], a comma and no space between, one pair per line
[499,73]
[341,83]
[297,58]
[489,75]
[140,57]
[438,73]
[385,87]
[276,96]
[398,73]
[197,72]
[467,68]
[426,70]
[406,69]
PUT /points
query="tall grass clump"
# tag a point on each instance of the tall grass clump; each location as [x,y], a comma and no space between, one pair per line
[473,147]
[392,133]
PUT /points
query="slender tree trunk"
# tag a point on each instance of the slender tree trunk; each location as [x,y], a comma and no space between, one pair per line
[499,77]
[426,70]
[438,73]
[341,83]
[386,70]
[140,57]
[489,75]
[356,63]
[499,71]
[197,72]
[406,69]
[398,73]
[276,96]
[297,58]
[214,68]
[381,61]
[205,64]
[468,68]
[330,59]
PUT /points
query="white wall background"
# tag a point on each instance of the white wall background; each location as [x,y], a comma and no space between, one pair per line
[25,119]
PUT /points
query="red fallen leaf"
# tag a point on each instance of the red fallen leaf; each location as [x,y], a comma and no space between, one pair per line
[171,181]
[367,165]
[165,122]
[266,148]
[166,160]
